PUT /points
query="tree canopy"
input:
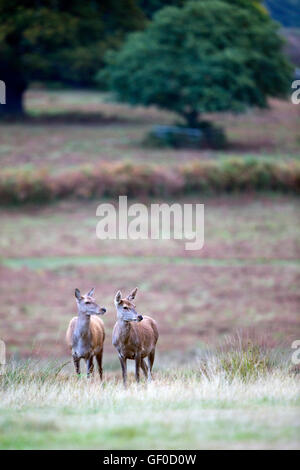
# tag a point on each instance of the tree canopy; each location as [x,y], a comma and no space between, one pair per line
[207,56]
[150,7]
[62,40]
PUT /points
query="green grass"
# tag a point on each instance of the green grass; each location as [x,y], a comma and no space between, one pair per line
[56,262]
[45,407]
[188,429]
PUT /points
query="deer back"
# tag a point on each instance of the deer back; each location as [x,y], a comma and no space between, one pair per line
[147,332]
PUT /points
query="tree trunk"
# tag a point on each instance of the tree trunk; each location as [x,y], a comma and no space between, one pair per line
[14,90]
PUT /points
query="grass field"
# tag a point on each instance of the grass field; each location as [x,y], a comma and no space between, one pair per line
[246,275]
[44,407]
[245,279]
[68,129]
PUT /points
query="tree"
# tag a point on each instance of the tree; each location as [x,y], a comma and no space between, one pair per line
[62,40]
[207,56]
[150,7]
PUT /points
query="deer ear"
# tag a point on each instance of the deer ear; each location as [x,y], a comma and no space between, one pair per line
[91,292]
[118,297]
[77,294]
[132,294]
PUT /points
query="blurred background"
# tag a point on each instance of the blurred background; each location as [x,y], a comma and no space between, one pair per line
[101,98]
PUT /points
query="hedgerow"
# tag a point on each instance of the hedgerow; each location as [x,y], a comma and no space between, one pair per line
[145,180]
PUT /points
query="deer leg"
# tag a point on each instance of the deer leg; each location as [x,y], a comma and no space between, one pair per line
[124,370]
[144,367]
[150,359]
[99,362]
[137,367]
[76,365]
[89,366]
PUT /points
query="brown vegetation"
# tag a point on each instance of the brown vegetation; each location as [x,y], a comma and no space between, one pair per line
[111,180]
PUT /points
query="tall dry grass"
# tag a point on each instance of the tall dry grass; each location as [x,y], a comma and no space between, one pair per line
[243,373]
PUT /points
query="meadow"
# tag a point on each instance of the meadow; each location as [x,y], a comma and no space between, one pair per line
[242,284]
[67,129]
[42,408]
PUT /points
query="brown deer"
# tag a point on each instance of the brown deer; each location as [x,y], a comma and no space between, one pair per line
[85,335]
[134,337]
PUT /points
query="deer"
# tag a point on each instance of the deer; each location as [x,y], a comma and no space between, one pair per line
[85,334]
[134,337]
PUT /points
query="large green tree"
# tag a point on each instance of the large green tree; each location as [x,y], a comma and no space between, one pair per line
[207,56]
[62,40]
[150,7]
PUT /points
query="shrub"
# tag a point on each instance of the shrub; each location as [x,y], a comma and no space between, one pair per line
[114,179]
[243,359]
[205,135]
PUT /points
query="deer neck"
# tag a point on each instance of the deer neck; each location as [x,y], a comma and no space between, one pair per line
[83,325]
[124,330]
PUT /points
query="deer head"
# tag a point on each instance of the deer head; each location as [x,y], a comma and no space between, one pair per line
[87,305]
[125,308]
